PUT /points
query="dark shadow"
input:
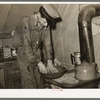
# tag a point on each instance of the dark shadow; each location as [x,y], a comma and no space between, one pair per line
[53,55]
[52,27]
[57,20]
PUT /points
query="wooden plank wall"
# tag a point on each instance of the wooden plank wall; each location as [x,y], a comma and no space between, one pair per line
[97,48]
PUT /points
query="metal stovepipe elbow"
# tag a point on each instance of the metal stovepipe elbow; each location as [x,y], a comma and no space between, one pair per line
[85,32]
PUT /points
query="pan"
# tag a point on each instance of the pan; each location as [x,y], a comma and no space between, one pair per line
[61,71]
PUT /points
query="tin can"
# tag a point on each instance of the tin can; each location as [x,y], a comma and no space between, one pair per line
[76,58]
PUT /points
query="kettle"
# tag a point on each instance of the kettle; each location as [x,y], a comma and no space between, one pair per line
[86,71]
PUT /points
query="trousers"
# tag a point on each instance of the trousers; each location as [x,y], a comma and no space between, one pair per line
[31,78]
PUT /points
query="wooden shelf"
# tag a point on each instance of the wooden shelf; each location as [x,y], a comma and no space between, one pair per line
[11,75]
[7,59]
[5,35]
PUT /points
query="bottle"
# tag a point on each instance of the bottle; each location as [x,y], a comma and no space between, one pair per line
[1,52]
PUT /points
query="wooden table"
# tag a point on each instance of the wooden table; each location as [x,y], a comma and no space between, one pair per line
[10,76]
[81,84]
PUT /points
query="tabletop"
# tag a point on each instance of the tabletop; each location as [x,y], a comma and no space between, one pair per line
[81,84]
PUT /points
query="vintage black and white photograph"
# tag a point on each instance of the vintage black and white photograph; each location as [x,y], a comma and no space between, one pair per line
[50,46]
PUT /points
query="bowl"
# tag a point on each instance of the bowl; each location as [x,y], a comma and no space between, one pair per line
[61,71]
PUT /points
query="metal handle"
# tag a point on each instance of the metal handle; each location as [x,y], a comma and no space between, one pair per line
[72,59]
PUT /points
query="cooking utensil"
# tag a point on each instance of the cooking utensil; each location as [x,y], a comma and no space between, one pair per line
[75,58]
[86,71]
[61,71]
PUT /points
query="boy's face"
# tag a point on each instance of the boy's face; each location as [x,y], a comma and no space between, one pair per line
[43,21]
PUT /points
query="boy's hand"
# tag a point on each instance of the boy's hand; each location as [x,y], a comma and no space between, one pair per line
[51,67]
[56,62]
[42,67]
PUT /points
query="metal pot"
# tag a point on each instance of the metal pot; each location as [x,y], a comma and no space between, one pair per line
[86,71]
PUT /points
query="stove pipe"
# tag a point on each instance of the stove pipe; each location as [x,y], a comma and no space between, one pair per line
[85,32]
